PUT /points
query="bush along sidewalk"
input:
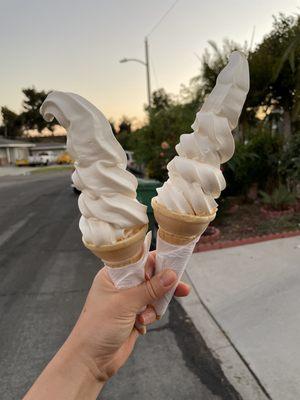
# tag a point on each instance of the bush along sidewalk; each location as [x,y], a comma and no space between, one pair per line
[246,226]
[280,202]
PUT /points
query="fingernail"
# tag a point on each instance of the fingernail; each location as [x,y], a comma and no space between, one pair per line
[168,277]
[143,330]
[148,272]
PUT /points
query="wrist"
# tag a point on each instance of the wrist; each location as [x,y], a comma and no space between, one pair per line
[80,350]
[73,352]
[72,363]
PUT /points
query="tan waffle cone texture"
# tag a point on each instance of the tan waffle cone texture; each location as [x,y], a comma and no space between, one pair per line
[123,252]
[179,229]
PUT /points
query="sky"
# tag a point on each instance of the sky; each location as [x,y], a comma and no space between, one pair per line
[76,45]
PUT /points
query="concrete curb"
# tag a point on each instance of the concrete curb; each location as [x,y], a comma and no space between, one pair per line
[239,242]
[234,367]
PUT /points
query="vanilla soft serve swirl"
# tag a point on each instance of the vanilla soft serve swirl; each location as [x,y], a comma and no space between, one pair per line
[195,179]
[108,192]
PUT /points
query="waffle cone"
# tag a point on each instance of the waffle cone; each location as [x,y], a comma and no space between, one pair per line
[179,229]
[124,252]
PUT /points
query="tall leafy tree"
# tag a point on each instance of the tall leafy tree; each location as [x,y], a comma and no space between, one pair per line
[160,100]
[123,133]
[154,144]
[274,67]
[12,123]
[290,60]
[30,118]
[213,61]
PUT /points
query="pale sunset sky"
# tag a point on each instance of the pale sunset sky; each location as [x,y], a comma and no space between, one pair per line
[76,45]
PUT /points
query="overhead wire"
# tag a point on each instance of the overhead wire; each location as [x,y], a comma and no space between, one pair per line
[155,26]
[162,18]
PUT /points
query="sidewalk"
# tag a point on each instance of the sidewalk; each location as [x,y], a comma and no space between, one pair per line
[249,296]
[13,171]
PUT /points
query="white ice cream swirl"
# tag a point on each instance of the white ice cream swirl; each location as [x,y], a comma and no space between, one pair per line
[108,192]
[195,179]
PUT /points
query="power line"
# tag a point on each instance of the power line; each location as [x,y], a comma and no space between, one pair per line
[162,17]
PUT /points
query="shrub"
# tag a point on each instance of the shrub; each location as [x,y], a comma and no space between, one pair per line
[254,162]
[280,198]
[289,167]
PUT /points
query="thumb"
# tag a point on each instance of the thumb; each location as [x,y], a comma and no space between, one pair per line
[151,290]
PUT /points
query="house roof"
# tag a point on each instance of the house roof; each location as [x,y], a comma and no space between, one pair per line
[4,142]
[50,146]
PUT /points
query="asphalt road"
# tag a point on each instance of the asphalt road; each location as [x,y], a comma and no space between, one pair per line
[45,274]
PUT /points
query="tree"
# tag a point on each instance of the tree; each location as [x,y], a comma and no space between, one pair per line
[291,57]
[123,133]
[274,71]
[125,125]
[273,66]
[12,123]
[30,118]
[160,100]
[213,61]
[154,144]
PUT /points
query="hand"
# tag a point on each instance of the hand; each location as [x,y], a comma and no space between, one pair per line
[104,335]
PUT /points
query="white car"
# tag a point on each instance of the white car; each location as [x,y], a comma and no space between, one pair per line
[43,158]
[132,165]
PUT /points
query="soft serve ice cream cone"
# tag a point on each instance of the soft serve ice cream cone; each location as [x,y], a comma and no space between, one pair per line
[186,204]
[113,223]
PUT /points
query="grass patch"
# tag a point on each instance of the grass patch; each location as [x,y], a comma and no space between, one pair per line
[52,168]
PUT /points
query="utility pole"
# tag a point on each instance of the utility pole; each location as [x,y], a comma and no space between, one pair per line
[146,63]
[148,71]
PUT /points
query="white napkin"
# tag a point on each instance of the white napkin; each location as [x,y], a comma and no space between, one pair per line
[174,257]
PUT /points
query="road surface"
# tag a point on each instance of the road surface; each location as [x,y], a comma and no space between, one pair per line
[45,274]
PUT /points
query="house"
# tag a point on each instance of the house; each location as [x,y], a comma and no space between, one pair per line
[55,148]
[12,150]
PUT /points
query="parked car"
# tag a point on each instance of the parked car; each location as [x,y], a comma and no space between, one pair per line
[64,158]
[22,162]
[43,158]
[132,166]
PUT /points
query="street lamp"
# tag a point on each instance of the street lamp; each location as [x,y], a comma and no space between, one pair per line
[146,64]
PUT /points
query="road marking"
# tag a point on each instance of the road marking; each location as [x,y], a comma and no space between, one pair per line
[4,237]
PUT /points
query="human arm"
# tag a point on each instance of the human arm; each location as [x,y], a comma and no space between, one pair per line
[102,338]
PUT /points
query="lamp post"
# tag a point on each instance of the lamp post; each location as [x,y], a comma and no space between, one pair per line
[146,64]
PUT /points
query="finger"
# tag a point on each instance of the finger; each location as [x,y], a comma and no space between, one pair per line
[182,290]
[149,291]
[147,317]
[150,265]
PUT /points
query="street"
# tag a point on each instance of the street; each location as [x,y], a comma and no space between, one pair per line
[45,274]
